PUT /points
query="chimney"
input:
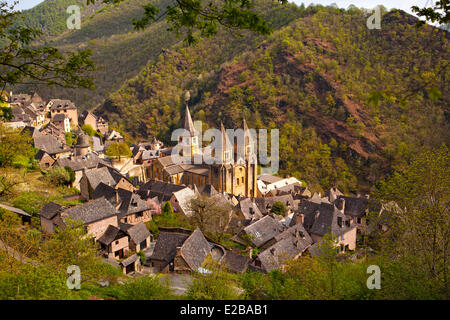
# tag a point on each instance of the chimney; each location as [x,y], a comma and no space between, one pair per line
[117,196]
[341,204]
[316,215]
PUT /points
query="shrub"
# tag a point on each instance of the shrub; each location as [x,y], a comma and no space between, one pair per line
[279,208]
[59,176]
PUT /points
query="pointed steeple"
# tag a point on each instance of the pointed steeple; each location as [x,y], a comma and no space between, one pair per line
[245,126]
[226,144]
[188,124]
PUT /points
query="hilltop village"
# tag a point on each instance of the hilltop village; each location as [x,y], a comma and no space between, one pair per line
[122,188]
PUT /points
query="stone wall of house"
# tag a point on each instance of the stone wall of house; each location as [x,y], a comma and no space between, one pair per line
[96,229]
[125,184]
[349,239]
[119,244]
[179,262]
[47,225]
[135,218]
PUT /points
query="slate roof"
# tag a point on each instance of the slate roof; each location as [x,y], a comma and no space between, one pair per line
[308,209]
[166,245]
[249,209]
[333,194]
[131,203]
[97,144]
[15,210]
[50,144]
[354,206]
[50,210]
[327,221]
[78,163]
[195,249]
[104,175]
[104,190]
[183,197]
[268,178]
[235,262]
[188,124]
[129,260]
[263,230]
[59,104]
[149,154]
[290,243]
[162,190]
[138,233]
[91,211]
[111,233]
[208,190]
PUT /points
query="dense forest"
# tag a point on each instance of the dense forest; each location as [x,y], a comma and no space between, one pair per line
[351,103]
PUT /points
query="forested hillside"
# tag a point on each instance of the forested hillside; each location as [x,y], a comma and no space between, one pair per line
[118,51]
[351,103]
[50,16]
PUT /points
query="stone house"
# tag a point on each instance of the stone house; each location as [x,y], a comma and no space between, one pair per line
[259,233]
[67,107]
[131,264]
[133,209]
[327,219]
[139,236]
[180,201]
[114,243]
[81,163]
[50,217]
[96,215]
[287,245]
[92,178]
[180,251]
[355,209]
[62,122]
[45,160]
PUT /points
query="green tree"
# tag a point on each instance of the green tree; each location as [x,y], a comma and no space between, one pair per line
[59,176]
[117,149]
[437,12]
[13,143]
[71,246]
[167,210]
[87,128]
[69,139]
[279,208]
[419,223]
[191,16]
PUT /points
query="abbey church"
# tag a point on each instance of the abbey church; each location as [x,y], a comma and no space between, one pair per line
[234,172]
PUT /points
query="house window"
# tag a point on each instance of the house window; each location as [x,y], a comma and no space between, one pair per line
[358,220]
[143,244]
[242,179]
[237,181]
[339,221]
[117,242]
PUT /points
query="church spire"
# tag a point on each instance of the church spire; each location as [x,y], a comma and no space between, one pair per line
[188,124]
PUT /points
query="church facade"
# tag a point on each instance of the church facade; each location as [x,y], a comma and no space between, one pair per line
[233,171]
